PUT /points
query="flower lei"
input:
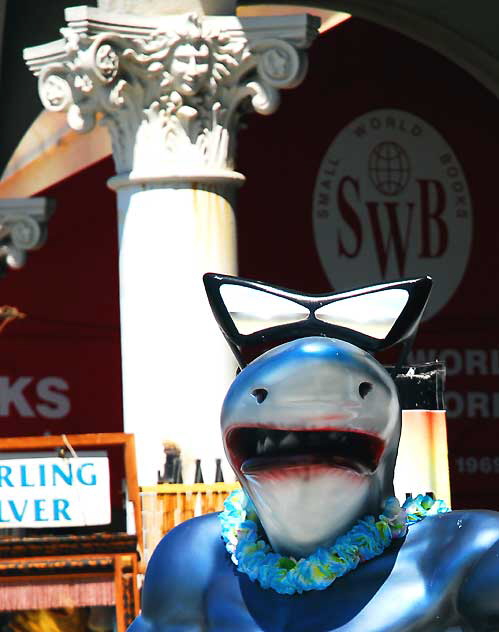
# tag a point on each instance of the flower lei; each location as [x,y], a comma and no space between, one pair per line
[368,538]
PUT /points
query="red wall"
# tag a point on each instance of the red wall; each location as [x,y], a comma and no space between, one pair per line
[69,291]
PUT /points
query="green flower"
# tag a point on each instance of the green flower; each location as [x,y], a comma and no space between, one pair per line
[287,563]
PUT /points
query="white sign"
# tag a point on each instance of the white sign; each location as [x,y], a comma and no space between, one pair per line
[391,201]
[40,492]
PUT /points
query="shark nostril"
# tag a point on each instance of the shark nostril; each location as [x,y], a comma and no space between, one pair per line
[364,389]
[259,394]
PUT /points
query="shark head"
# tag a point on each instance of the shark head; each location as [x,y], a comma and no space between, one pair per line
[311,429]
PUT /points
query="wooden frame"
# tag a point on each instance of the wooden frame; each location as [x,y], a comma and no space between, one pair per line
[111,557]
[94,440]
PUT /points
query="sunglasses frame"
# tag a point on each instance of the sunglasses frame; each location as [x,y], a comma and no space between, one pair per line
[402,331]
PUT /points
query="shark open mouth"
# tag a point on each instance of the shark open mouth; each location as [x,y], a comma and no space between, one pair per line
[262,448]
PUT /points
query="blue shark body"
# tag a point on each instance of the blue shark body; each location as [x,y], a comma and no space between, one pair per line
[311,429]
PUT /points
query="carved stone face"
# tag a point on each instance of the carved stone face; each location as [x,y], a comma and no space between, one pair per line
[54,90]
[106,60]
[190,67]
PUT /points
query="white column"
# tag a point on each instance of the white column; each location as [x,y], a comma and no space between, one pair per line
[176,368]
[172,91]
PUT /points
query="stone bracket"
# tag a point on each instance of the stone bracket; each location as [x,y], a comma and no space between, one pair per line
[23,227]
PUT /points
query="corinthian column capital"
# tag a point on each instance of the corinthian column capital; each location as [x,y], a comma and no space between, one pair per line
[171,89]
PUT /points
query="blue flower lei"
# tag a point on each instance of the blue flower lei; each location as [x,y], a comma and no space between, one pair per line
[368,538]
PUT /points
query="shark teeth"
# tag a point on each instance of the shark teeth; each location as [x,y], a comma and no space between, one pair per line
[269,443]
[290,441]
[360,451]
[266,446]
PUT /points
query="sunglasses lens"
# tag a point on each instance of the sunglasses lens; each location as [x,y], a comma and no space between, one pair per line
[371,314]
[252,310]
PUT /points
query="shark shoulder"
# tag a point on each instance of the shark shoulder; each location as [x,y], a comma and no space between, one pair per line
[472,531]
[177,576]
[478,597]
[462,547]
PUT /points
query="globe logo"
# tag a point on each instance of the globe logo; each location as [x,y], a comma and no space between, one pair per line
[391,200]
[389,168]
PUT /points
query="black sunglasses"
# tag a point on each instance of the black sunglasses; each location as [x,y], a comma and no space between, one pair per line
[374,318]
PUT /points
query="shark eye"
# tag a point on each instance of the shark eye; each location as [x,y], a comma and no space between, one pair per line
[364,389]
[259,394]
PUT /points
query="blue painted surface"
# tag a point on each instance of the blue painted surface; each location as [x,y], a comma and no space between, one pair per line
[443,575]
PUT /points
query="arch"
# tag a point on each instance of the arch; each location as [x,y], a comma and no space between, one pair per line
[451,41]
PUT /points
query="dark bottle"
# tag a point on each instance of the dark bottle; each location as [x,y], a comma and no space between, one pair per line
[198,477]
[177,470]
[219,475]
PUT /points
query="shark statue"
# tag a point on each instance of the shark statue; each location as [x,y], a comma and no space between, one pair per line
[311,428]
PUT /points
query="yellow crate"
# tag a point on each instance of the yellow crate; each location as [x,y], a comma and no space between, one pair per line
[166,505]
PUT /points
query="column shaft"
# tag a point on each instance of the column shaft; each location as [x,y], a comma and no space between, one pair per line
[176,369]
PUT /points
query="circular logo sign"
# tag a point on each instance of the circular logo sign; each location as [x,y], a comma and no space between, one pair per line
[391,201]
